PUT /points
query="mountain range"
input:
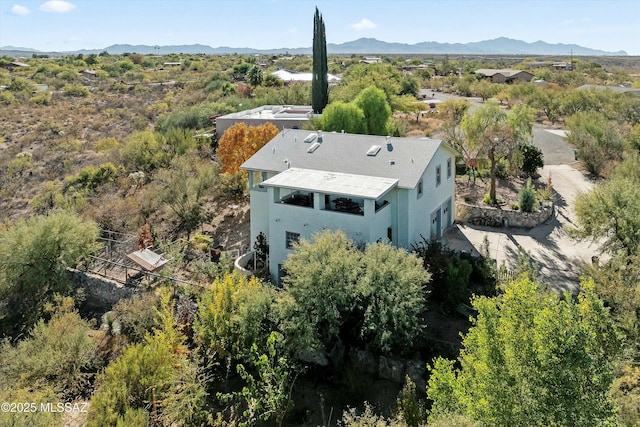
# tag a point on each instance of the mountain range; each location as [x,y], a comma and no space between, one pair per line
[362,46]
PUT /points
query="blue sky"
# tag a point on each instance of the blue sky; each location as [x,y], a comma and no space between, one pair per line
[65,25]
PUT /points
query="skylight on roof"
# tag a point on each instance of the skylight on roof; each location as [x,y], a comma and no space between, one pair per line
[313,147]
[375,149]
[310,137]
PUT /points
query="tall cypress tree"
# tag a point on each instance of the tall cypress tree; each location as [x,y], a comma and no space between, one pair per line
[319,84]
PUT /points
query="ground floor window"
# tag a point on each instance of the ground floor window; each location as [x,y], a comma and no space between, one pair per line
[291,239]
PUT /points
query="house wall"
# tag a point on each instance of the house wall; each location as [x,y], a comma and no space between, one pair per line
[432,199]
[258,213]
[498,78]
[407,215]
[222,124]
[306,221]
[523,76]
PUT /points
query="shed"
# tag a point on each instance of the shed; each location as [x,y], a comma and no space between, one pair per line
[148,260]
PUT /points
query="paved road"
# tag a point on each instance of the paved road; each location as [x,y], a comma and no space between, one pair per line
[558,256]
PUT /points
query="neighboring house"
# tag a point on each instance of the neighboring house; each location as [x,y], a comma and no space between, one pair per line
[563,66]
[15,64]
[505,75]
[282,116]
[371,60]
[89,74]
[374,188]
[294,76]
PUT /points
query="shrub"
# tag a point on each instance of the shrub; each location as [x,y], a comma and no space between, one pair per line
[106,144]
[34,256]
[194,117]
[92,177]
[532,158]
[231,316]
[456,282]
[138,315]
[527,197]
[487,199]
[75,90]
[41,99]
[144,151]
[6,97]
[59,354]
[19,164]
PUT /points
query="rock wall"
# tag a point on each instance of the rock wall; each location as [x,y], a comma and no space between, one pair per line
[393,369]
[100,292]
[496,217]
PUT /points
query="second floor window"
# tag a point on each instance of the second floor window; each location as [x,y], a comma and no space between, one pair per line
[438,175]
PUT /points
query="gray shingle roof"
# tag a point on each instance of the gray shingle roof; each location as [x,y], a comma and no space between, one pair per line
[404,159]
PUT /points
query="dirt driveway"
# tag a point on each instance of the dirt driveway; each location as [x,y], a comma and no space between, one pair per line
[558,256]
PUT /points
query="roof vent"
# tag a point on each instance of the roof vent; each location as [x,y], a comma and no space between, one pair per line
[392,162]
[310,138]
[375,149]
[319,136]
[313,147]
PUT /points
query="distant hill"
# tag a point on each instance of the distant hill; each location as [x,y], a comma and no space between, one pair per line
[501,45]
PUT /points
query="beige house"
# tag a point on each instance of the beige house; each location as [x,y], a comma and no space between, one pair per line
[505,75]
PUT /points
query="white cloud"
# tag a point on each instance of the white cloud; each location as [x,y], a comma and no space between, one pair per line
[57,6]
[572,22]
[19,10]
[364,24]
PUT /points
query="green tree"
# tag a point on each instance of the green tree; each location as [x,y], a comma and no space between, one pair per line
[320,282]
[531,359]
[335,291]
[547,100]
[527,197]
[320,82]
[597,139]
[532,158]
[143,151]
[391,297]
[34,256]
[452,112]
[609,214]
[373,103]
[492,132]
[340,116]
[360,76]
[254,75]
[484,89]
[184,186]
[267,396]
[58,354]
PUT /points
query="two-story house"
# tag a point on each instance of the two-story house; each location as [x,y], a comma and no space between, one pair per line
[374,188]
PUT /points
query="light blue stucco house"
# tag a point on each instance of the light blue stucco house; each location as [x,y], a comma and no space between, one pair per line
[374,188]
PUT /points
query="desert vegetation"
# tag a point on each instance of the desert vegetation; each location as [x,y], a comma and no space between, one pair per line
[131,148]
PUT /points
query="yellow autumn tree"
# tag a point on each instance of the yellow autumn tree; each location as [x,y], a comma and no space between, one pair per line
[240,142]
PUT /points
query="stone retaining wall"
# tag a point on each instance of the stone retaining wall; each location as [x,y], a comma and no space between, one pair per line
[496,217]
[100,292]
[393,369]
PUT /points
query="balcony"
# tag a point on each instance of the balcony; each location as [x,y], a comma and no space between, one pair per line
[344,205]
[298,199]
